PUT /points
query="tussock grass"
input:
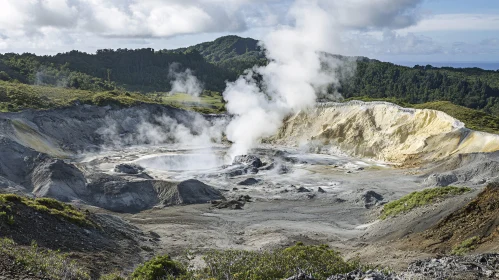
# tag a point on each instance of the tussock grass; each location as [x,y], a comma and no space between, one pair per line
[418,199]
[465,246]
[47,205]
[16,97]
[48,263]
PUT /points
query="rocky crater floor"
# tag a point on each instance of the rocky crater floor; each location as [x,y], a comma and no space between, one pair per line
[164,178]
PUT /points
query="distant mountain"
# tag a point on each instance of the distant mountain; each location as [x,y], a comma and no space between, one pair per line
[233,53]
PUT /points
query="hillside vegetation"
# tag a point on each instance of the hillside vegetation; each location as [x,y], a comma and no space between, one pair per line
[126,77]
[17,96]
[214,63]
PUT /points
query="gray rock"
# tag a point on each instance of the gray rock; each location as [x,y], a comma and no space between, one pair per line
[302,190]
[121,195]
[371,199]
[128,168]
[301,276]
[321,190]
[57,179]
[231,204]
[248,160]
[188,192]
[249,182]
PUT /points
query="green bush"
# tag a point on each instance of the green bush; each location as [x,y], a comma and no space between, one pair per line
[465,246]
[160,267]
[320,261]
[418,199]
[112,276]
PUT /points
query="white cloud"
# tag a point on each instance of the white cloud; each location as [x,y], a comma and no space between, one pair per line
[375,14]
[456,22]
[391,43]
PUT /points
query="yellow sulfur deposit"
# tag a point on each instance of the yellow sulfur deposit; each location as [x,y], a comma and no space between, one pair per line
[384,131]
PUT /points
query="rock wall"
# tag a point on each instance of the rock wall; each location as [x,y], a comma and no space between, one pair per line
[383,131]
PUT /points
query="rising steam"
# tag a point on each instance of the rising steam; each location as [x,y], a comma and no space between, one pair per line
[184,81]
[297,72]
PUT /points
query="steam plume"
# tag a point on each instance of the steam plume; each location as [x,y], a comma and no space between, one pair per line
[297,72]
[184,81]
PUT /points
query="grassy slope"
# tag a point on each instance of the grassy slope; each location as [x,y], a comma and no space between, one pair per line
[16,97]
[418,199]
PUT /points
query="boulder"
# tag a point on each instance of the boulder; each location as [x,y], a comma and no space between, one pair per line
[302,190]
[188,192]
[249,182]
[371,199]
[128,168]
[121,195]
[248,160]
[57,179]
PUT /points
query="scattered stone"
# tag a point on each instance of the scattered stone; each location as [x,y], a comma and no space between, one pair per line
[366,275]
[281,168]
[285,191]
[321,190]
[242,171]
[311,195]
[301,276]
[128,168]
[302,189]
[454,267]
[230,204]
[249,182]
[244,198]
[235,189]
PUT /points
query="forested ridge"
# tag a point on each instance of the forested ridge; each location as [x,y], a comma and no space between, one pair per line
[214,63]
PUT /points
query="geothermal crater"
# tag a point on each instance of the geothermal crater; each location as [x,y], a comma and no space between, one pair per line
[323,178]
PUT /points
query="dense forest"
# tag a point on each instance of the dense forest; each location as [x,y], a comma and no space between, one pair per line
[214,63]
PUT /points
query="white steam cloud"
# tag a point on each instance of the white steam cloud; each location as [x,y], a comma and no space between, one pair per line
[297,71]
[184,81]
[161,130]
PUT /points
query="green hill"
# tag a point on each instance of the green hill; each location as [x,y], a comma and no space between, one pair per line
[224,59]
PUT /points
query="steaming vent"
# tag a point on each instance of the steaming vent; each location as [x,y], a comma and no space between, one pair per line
[181,162]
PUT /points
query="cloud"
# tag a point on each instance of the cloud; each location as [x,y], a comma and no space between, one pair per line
[376,14]
[392,43]
[125,18]
[484,47]
[456,22]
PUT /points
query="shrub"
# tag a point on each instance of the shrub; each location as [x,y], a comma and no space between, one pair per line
[112,276]
[159,267]
[47,263]
[418,199]
[465,246]
[320,261]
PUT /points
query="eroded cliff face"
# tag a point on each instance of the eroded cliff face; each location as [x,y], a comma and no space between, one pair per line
[384,131]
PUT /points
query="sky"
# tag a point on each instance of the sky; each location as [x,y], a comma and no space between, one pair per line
[389,30]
